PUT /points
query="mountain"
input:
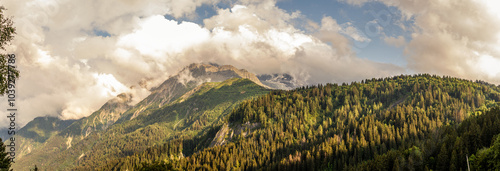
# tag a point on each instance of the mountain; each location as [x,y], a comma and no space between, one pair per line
[186,80]
[41,131]
[279,81]
[172,89]
[4,134]
[186,104]
[37,131]
[179,85]
[404,122]
[100,119]
[41,128]
[196,115]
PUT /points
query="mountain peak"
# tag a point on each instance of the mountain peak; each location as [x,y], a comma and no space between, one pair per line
[211,72]
[189,78]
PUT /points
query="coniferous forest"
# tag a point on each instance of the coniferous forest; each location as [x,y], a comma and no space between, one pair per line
[419,122]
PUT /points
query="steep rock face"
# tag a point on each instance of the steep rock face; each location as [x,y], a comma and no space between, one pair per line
[101,119]
[218,73]
[111,111]
[226,133]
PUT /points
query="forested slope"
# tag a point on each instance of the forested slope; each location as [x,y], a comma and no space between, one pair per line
[406,121]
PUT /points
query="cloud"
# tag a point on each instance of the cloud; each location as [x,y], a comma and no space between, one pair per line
[395,41]
[453,38]
[256,44]
[185,77]
[356,2]
[158,36]
[70,71]
[351,31]
[330,33]
[449,37]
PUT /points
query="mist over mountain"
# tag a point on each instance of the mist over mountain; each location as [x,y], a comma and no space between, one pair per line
[279,81]
[101,119]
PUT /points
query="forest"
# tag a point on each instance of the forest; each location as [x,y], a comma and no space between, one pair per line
[419,122]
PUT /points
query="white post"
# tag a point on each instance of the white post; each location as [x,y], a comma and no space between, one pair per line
[468,167]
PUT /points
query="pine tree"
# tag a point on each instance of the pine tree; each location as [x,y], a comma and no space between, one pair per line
[7,32]
[4,159]
[442,163]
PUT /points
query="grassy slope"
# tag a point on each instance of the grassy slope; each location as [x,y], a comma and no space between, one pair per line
[36,132]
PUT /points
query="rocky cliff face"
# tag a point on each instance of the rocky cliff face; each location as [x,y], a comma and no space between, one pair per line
[101,119]
[111,111]
[227,133]
[218,73]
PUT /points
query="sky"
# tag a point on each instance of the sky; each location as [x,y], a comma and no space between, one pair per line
[76,55]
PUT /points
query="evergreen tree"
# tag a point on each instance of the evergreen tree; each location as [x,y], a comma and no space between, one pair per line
[4,158]
[7,32]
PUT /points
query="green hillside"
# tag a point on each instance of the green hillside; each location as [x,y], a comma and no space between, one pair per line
[418,122]
[41,128]
[191,114]
[36,132]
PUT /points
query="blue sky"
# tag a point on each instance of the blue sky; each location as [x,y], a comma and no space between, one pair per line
[359,16]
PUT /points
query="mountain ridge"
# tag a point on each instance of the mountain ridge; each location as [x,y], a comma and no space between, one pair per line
[189,83]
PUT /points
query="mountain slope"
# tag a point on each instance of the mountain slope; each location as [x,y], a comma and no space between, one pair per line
[100,119]
[190,115]
[339,127]
[175,89]
[448,148]
[187,79]
[119,110]
[37,131]
[41,128]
